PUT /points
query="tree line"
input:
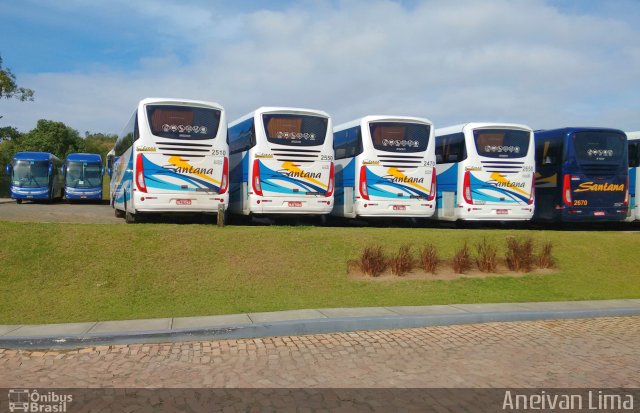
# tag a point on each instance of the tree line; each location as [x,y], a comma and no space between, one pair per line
[48,136]
[54,137]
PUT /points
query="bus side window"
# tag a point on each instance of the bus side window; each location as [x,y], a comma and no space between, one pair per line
[347,143]
[548,152]
[450,148]
[242,136]
[634,154]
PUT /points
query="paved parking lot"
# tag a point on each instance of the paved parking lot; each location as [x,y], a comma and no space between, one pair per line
[600,352]
[84,213]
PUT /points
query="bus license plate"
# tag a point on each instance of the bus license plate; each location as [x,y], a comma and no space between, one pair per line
[183,202]
[399,208]
[599,213]
[502,211]
[295,204]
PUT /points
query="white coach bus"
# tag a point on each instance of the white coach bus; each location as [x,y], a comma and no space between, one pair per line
[385,167]
[281,162]
[634,168]
[486,171]
[172,156]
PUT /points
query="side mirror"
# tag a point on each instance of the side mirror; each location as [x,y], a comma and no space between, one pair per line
[8,169]
[109,171]
[62,168]
[50,169]
[102,171]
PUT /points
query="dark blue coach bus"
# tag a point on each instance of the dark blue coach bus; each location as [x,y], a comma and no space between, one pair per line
[83,177]
[581,175]
[35,176]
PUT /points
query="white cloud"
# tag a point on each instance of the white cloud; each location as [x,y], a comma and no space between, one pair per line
[451,62]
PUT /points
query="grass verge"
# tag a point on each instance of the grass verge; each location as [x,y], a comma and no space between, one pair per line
[67,272]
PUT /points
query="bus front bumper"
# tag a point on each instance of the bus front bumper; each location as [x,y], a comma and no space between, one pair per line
[179,202]
[80,194]
[29,193]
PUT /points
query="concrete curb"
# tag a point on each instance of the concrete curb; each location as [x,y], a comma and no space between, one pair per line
[300,322]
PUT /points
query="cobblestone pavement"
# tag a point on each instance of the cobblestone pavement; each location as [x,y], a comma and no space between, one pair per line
[602,352]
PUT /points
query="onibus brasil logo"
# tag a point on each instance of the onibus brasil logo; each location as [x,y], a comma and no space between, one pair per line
[25,400]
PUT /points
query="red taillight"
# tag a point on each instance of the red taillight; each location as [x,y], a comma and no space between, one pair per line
[533,190]
[466,188]
[255,178]
[626,194]
[566,190]
[331,183]
[142,186]
[224,182]
[364,192]
[432,194]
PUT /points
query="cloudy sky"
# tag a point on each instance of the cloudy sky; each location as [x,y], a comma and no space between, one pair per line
[543,63]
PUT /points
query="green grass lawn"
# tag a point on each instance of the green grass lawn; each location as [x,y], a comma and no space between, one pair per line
[67,272]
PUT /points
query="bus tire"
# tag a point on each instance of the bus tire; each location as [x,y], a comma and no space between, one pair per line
[18,201]
[130,218]
[119,213]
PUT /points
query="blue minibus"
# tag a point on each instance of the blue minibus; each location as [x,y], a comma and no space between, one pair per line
[581,175]
[35,176]
[83,176]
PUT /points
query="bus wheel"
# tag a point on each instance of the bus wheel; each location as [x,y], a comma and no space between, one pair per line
[130,218]
[119,213]
[18,201]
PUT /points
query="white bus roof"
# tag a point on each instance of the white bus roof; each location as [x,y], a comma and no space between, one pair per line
[175,101]
[475,125]
[632,136]
[380,118]
[279,109]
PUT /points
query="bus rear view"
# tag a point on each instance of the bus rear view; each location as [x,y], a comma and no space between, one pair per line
[83,177]
[581,175]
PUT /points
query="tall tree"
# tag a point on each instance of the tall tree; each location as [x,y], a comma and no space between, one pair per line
[9,88]
[51,136]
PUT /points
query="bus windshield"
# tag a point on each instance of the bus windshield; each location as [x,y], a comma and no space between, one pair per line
[295,130]
[83,175]
[183,122]
[502,143]
[599,147]
[399,136]
[30,174]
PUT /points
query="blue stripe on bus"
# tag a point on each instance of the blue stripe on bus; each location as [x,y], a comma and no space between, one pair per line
[268,177]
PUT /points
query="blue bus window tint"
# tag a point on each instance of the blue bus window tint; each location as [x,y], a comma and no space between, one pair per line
[634,154]
[295,130]
[399,137]
[241,136]
[501,143]
[451,148]
[548,151]
[30,174]
[599,147]
[347,143]
[83,175]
